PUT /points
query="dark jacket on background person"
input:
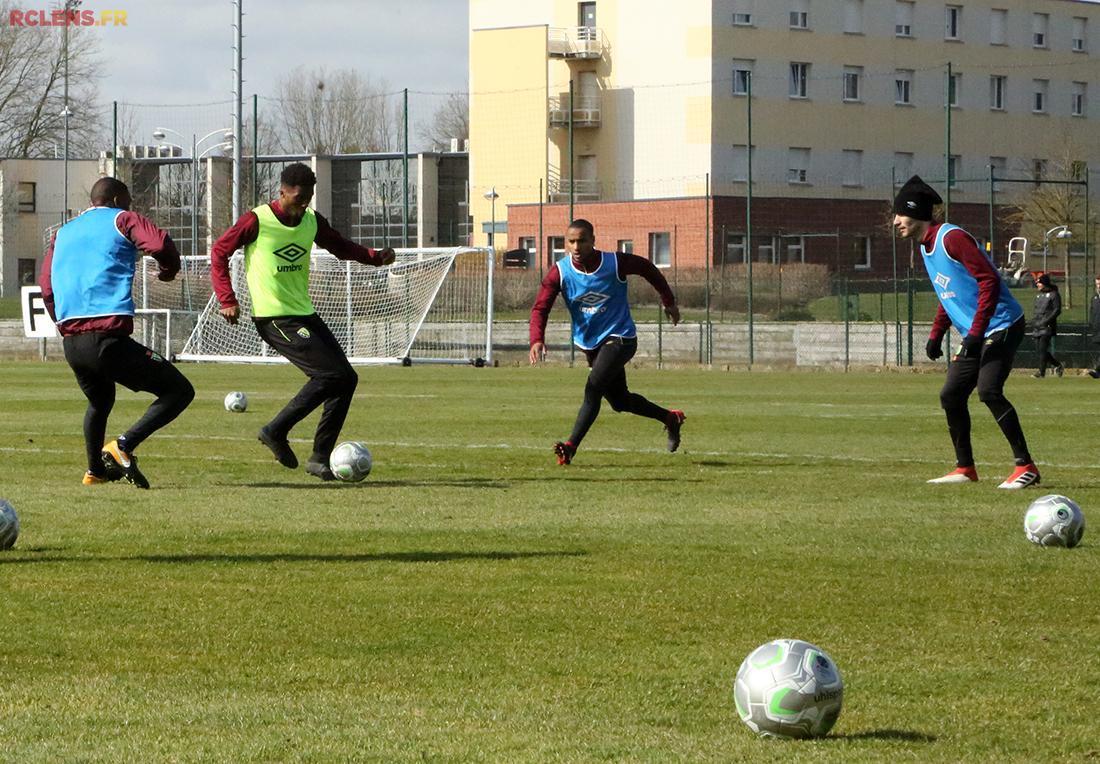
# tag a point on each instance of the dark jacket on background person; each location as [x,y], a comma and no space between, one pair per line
[1094,319]
[1048,306]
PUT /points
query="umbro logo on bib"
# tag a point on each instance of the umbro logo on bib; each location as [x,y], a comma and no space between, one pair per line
[290,252]
[592,302]
[592,299]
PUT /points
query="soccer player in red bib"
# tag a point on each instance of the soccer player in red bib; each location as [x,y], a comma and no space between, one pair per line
[594,286]
[976,301]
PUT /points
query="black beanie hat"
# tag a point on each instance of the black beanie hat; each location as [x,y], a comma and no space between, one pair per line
[1044,279]
[916,199]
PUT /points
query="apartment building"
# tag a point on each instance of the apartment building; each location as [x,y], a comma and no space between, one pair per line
[31,192]
[847,96]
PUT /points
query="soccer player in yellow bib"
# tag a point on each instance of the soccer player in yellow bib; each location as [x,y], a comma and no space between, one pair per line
[277,239]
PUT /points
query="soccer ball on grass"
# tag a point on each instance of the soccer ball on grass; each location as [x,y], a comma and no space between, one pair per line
[236,402]
[350,462]
[788,688]
[1054,520]
[9,525]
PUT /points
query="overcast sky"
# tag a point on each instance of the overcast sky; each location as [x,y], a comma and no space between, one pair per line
[172,51]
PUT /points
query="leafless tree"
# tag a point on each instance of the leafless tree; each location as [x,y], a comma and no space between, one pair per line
[1049,205]
[32,65]
[451,119]
[339,112]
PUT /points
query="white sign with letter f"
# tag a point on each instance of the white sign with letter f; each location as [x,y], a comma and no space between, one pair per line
[36,320]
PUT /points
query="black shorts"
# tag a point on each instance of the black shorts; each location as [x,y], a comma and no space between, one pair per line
[99,359]
[307,342]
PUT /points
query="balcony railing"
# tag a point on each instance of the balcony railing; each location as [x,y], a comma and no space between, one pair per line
[584,190]
[586,111]
[575,42]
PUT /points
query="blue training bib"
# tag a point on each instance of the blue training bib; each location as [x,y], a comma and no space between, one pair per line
[596,301]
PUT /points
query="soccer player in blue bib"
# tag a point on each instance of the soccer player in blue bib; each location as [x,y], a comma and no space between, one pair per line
[87,282]
[976,301]
[594,286]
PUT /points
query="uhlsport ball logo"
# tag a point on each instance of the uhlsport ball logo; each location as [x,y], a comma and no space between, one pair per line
[788,688]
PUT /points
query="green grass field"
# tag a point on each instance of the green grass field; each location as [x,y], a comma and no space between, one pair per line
[473,601]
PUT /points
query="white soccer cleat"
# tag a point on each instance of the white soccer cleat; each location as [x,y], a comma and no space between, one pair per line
[957,476]
[1022,477]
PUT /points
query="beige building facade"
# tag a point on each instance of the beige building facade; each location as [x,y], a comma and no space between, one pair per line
[847,97]
[31,192]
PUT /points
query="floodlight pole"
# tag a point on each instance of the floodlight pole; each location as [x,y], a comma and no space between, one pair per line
[238,128]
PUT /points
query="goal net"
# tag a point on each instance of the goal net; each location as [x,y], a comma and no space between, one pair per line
[428,306]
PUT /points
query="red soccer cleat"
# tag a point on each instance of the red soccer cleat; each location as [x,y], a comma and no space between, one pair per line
[565,452]
[1022,477]
[956,476]
[673,424]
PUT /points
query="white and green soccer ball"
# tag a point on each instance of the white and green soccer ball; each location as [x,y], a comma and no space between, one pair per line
[788,688]
[9,525]
[236,402]
[1054,520]
[350,462]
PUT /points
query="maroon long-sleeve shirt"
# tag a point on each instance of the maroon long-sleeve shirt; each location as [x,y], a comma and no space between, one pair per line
[143,234]
[961,246]
[247,229]
[629,265]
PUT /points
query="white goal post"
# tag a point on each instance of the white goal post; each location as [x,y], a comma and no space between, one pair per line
[428,306]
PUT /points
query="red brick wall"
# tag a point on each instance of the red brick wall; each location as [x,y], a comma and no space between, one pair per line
[685,220]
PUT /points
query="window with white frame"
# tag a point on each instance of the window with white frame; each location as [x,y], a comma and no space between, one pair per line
[852,83]
[625,245]
[998,83]
[1077,99]
[853,167]
[903,165]
[954,88]
[799,80]
[998,26]
[1079,41]
[800,14]
[798,165]
[794,249]
[853,16]
[765,252]
[954,164]
[742,73]
[903,87]
[742,13]
[555,247]
[527,243]
[735,248]
[903,18]
[998,167]
[952,22]
[660,249]
[739,163]
[1040,26]
[1039,90]
[861,248]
